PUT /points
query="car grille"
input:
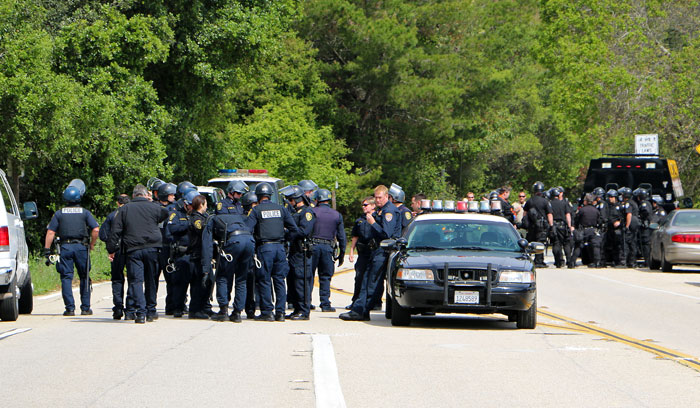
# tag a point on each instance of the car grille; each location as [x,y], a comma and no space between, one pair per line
[466,275]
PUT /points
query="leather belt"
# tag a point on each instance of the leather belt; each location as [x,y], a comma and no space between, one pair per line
[322,241]
[73,241]
[271,242]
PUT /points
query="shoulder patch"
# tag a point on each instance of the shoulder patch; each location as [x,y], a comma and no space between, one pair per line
[172,216]
[389,216]
[219,206]
[309,217]
[198,224]
[408,215]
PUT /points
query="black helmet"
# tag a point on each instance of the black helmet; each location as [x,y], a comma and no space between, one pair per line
[153,183]
[599,192]
[237,186]
[264,189]
[612,193]
[323,195]
[556,191]
[165,189]
[396,192]
[71,195]
[549,193]
[641,193]
[561,189]
[249,199]
[308,185]
[625,192]
[538,187]
[292,192]
[189,196]
[182,189]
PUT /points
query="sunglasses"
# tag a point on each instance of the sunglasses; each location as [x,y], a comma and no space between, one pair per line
[521,196]
[365,205]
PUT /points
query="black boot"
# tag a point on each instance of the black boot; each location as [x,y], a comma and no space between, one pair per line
[222,315]
[235,317]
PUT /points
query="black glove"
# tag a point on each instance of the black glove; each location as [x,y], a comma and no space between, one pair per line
[47,253]
[341,258]
[205,278]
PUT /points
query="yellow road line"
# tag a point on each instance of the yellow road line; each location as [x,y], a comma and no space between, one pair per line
[685,359]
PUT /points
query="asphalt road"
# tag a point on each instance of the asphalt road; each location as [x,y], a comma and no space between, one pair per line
[608,337]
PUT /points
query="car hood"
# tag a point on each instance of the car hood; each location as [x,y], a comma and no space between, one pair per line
[467,259]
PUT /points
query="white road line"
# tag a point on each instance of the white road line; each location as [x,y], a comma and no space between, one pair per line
[668,292]
[12,333]
[326,382]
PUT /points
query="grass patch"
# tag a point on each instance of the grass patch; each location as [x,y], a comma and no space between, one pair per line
[46,278]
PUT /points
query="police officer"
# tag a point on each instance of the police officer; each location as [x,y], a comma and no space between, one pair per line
[537,214]
[658,212]
[76,230]
[631,226]
[117,268]
[587,222]
[561,230]
[397,197]
[300,253]
[202,277]
[232,203]
[365,243]
[506,208]
[604,209]
[385,224]
[641,196]
[136,224]
[268,221]
[328,228]
[180,269]
[166,198]
[229,235]
[309,188]
[152,185]
[616,227]
[248,201]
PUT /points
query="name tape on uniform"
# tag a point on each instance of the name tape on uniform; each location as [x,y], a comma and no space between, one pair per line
[271,214]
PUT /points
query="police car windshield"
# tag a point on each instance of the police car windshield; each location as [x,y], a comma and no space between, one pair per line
[462,234]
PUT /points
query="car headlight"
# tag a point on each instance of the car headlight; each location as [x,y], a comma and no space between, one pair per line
[517,276]
[415,274]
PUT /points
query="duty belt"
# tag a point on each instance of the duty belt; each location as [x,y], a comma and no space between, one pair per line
[74,241]
[322,241]
[271,242]
[238,232]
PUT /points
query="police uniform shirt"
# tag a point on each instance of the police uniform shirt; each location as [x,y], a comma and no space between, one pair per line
[106,227]
[221,228]
[228,206]
[268,221]
[305,218]
[559,210]
[406,216]
[507,209]
[604,208]
[538,203]
[588,216]
[72,223]
[362,230]
[178,226]
[329,224]
[197,222]
[645,210]
[614,213]
[387,223]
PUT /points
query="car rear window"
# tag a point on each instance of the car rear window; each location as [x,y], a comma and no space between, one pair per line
[463,234]
[687,219]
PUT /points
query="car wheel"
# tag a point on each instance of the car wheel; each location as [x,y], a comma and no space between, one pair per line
[387,306]
[653,263]
[399,316]
[527,319]
[9,307]
[26,298]
[665,265]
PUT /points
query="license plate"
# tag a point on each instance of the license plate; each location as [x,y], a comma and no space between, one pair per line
[466,297]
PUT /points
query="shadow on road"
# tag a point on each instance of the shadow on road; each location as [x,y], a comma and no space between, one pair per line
[449,322]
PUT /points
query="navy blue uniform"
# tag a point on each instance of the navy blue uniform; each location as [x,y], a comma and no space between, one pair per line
[268,221]
[177,230]
[73,225]
[630,207]
[163,258]
[202,281]
[229,206]
[235,239]
[328,228]
[305,218]
[117,271]
[365,245]
[587,221]
[387,225]
[406,216]
[537,208]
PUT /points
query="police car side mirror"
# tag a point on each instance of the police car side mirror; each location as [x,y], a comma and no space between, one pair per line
[653,226]
[30,211]
[388,244]
[536,248]
[522,243]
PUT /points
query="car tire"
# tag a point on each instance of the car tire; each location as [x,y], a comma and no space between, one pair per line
[387,306]
[527,319]
[9,307]
[653,263]
[26,298]
[665,265]
[399,316]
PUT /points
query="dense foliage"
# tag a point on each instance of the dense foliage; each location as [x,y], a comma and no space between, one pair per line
[441,97]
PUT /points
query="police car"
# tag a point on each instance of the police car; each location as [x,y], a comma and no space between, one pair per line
[251,177]
[15,279]
[214,196]
[461,263]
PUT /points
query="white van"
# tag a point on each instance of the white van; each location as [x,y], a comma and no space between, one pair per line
[15,279]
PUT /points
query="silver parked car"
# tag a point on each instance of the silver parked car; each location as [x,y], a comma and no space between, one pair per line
[676,240]
[15,279]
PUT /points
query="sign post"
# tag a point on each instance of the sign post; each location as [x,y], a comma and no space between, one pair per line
[646,144]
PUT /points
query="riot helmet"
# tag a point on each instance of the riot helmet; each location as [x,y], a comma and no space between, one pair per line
[71,195]
[249,199]
[625,192]
[263,189]
[658,200]
[612,193]
[293,192]
[166,189]
[308,185]
[237,186]
[396,192]
[599,192]
[182,188]
[641,193]
[323,195]
[153,183]
[538,187]
[79,184]
[189,196]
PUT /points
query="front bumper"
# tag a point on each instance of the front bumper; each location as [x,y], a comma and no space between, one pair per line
[431,296]
[682,253]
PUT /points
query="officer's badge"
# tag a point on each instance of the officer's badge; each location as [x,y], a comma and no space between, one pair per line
[388,216]
[198,224]
[309,217]
[172,216]
[408,215]
[219,206]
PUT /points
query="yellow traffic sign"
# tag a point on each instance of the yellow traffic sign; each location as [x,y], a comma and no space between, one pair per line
[697,148]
